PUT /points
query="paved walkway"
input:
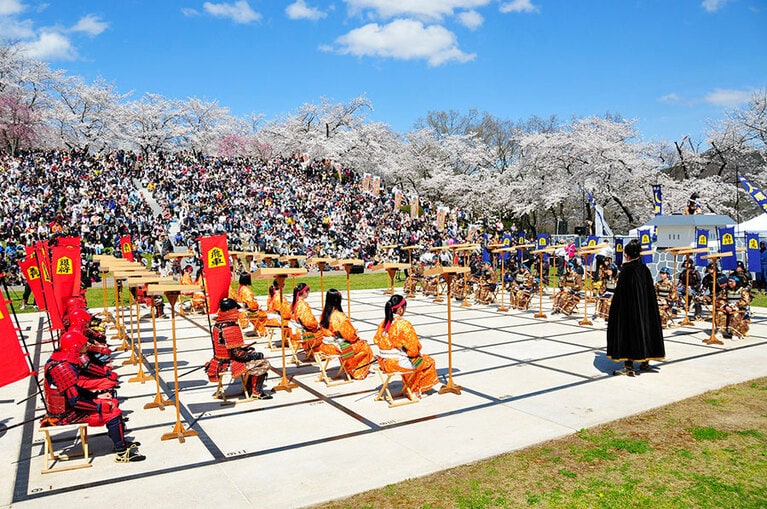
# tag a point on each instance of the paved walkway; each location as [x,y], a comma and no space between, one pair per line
[525,380]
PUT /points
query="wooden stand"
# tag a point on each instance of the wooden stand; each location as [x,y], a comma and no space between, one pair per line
[158,401]
[502,254]
[391,269]
[589,250]
[123,267]
[125,277]
[540,253]
[713,340]
[138,282]
[293,261]
[321,264]
[347,264]
[172,292]
[280,275]
[465,249]
[409,249]
[450,387]
[687,252]
[181,256]
[438,269]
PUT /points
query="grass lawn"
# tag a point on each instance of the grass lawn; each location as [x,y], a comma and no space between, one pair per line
[708,451]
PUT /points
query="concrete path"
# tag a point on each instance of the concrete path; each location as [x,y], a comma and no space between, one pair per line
[525,380]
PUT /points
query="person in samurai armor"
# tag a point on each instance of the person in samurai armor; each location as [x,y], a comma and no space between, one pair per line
[733,301]
[72,397]
[229,349]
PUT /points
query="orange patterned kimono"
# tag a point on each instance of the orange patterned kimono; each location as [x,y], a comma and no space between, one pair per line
[273,307]
[198,298]
[400,350]
[341,338]
[257,317]
[308,336]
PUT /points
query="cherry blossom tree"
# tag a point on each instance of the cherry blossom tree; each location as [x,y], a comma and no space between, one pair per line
[84,116]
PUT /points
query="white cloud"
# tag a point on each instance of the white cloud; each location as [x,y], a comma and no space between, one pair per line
[519,6]
[14,30]
[712,5]
[728,97]
[299,10]
[91,25]
[189,12]
[422,9]
[672,98]
[50,46]
[239,12]
[10,7]
[471,19]
[404,39]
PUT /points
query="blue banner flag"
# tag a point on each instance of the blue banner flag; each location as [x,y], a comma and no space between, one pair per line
[618,251]
[507,241]
[521,252]
[701,240]
[727,245]
[753,261]
[543,243]
[657,200]
[759,197]
[591,241]
[486,256]
[645,239]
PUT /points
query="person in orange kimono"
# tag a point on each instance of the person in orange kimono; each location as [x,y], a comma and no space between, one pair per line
[400,349]
[277,310]
[339,337]
[247,298]
[304,326]
[198,298]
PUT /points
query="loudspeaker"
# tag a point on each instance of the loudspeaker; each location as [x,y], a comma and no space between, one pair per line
[561,227]
[357,269]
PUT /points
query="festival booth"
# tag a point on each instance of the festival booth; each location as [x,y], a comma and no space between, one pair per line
[678,230]
[757,225]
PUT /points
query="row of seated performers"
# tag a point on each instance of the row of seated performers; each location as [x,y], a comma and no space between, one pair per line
[80,385]
[333,334]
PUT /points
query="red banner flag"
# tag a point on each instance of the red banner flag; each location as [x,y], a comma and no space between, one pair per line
[66,267]
[75,243]
[13,362]
[215,269]
[68,241]
[126,248]
[31,273]
[41,252]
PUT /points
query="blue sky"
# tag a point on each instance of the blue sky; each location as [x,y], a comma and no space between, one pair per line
[671,64]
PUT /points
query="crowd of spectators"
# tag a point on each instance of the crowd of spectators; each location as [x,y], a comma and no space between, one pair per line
[282,206]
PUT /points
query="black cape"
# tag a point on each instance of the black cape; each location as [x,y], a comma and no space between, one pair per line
[634,331]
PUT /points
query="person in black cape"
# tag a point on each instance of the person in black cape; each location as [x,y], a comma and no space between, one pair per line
[634,331]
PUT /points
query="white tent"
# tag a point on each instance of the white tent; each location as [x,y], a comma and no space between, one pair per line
[757,224]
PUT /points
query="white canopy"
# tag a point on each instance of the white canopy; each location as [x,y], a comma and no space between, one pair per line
[757,224]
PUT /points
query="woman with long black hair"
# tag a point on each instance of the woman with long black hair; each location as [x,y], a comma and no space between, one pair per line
[339,337]
[303,319]
[400,349]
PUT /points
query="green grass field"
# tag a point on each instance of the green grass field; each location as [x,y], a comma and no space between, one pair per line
[709,451]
